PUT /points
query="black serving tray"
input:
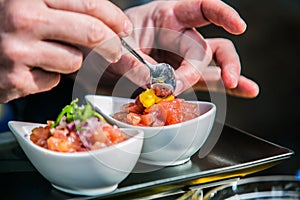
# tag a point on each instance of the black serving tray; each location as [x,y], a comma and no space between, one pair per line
[236,154]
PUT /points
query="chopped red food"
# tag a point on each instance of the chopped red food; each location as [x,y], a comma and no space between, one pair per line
[161,91]
[76,129]
[159,114]
[95,134]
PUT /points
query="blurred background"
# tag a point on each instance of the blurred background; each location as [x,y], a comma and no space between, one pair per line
[269,54]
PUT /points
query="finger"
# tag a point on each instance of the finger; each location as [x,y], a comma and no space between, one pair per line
[226,57]
[42,80]
[210,74]
[85,31]
[50,56]
[209,77]
[246,88]
[106,11]
[27,81]
[196,56]
[55,57]
[197,13]
[133,69]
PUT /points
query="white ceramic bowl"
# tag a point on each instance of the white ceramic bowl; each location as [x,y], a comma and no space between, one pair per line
[85,173]
[168,145]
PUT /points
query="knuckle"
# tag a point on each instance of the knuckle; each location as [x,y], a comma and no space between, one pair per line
[20,19]
[11,50]
[228,42]
[111,50]
[71,64]
[15,81]
[94,33]
[166,13]
[75,64]
[90,5]
[5,83]
[23,17]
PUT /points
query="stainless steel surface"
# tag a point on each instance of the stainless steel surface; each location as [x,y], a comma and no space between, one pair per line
[161,74]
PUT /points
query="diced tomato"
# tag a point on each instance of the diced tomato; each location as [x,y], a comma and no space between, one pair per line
[115,135]
[100,135]
[132,107]
[147,119]
[174,112]
[162,113]
[133,118]
[62,145]
[61,133]
[40,135]
[96,135]
[157,113]
[135,109]
[162,91]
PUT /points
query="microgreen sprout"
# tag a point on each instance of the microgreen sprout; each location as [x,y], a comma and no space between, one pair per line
[74,112]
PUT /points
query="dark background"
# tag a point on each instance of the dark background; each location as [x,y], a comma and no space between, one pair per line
[269,54]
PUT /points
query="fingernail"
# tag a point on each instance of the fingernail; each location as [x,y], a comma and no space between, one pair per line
[179,87]
[127,29]
[115,57]
[111,50]
[233,76]
[244,25]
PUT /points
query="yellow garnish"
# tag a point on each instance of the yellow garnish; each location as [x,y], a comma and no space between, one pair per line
[148,98]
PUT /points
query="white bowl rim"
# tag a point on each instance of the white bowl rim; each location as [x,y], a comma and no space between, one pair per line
[128,141]
[208,113]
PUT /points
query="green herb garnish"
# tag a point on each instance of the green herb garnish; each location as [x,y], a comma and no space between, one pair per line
[74,112]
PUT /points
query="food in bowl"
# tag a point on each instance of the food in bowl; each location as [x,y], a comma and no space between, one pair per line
[76,129]
[163,145]
[84,172]
[148,109]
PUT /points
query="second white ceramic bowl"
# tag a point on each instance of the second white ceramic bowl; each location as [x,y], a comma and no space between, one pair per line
[168,145]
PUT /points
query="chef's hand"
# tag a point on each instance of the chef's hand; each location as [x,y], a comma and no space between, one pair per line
[170,26]
[227,74]
[38,39]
